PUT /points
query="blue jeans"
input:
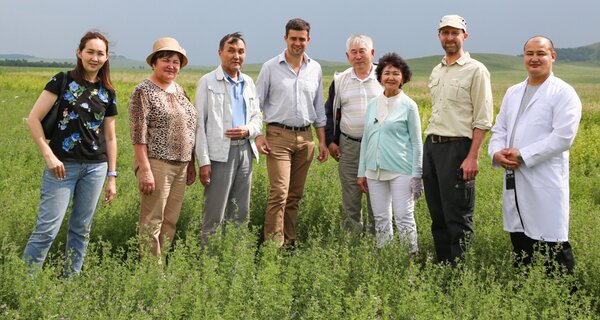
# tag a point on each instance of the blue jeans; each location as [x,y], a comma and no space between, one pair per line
[84,183]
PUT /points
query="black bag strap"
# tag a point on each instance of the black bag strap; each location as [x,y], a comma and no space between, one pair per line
[50,120]
[63,86]
[517,204]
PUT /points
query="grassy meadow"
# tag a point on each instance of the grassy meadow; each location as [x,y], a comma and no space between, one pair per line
[332,275]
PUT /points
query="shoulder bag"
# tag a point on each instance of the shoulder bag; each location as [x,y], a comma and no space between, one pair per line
[50,121]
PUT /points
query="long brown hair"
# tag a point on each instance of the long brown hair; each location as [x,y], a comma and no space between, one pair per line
[104,72]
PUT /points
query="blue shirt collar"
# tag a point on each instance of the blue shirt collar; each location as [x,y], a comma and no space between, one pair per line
[240,78]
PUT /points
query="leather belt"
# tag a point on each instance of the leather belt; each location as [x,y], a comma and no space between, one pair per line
[351,138]
[238,142]
[281,125]
[441,139]
[171,162]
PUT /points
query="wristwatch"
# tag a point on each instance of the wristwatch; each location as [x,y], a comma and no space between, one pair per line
[112,174]
[520,159]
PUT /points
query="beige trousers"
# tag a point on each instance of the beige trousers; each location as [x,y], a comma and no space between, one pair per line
[287,164]
[160,210]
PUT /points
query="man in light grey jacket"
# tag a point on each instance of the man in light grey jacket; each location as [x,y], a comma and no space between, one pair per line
[229,119]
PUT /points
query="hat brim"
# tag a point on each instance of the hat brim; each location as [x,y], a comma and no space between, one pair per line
[183,53]
[453,25]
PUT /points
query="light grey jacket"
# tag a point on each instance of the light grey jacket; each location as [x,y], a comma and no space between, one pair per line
[213,102]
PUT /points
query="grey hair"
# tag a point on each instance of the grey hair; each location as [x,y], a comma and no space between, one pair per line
[359,39]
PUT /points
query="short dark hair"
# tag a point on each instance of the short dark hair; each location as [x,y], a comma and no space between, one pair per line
[165,53]
[395,60]
[539,36]
[298,25]
[231,38]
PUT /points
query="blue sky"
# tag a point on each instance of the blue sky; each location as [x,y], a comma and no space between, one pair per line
[52,29]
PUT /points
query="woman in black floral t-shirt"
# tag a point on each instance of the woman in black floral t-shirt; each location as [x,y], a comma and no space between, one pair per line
[81,153]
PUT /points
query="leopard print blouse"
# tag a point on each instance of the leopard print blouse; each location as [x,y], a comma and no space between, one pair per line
[165,122]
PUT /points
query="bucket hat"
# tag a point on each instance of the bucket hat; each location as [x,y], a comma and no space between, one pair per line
[453,21]
[167,44]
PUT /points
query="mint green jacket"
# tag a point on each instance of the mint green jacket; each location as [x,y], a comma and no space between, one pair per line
[394,144]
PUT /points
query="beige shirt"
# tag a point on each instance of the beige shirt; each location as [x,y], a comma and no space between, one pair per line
[461,95]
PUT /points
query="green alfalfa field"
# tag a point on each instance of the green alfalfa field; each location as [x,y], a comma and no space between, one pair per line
[332,275]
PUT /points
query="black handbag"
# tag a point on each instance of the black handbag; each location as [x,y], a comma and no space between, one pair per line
[50,121]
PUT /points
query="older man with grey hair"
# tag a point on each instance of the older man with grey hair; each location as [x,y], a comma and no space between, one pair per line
[346,105]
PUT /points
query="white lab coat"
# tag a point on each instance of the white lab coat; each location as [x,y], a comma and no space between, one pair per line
[545,133]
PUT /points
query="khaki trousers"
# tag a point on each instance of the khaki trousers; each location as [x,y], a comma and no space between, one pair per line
[160,210]
[287,164]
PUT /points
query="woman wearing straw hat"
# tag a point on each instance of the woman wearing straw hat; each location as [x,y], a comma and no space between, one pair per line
[162,122]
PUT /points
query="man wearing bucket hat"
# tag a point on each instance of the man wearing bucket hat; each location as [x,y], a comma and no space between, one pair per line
[229,119]
[461,115]
[162,123]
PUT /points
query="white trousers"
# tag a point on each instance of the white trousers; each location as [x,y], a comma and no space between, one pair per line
[393,195]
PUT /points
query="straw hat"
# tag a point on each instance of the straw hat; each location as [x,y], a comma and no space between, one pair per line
[167,44]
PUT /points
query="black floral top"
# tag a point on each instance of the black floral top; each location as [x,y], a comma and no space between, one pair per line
[80,133]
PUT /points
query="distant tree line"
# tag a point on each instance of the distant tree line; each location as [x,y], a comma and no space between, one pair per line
[578,54]
[26,63]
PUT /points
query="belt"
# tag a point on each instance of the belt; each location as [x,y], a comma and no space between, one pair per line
[441,139]
[172,162]
[349,137]
[281,125]
[238,142]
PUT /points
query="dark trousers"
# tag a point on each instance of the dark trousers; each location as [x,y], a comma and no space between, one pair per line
[450,200]
[559,252]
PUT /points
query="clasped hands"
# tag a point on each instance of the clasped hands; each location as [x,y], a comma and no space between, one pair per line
[508,158]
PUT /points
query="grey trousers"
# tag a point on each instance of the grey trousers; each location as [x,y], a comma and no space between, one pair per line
[227,197]
[352,218]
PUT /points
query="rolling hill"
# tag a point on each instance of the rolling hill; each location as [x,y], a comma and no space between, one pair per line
[580,56]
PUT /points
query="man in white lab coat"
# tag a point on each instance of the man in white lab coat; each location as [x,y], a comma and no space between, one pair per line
[534,131]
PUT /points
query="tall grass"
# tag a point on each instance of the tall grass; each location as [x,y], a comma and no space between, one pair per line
[331,275]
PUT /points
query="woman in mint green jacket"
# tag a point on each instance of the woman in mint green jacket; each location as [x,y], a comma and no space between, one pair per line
[391,153]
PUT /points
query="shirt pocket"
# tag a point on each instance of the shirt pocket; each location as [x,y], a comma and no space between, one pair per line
[459,90]
[216,100]
[434,87]
[252,102]
[549,174]
[539,114]
[216,94]
[308,86]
